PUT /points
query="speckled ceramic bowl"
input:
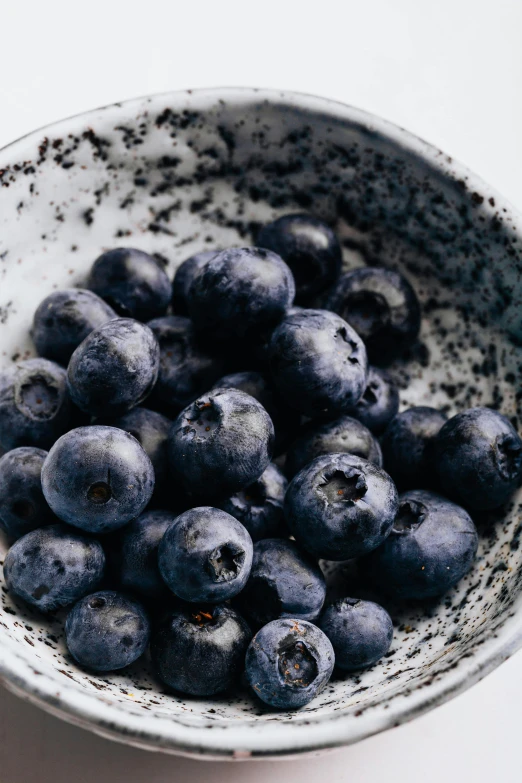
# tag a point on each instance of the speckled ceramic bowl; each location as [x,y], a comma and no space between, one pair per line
[178,173]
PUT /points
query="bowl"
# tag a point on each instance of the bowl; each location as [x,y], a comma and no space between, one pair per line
[181,172]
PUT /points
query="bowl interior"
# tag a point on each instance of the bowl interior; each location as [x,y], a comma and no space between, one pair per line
[177,174]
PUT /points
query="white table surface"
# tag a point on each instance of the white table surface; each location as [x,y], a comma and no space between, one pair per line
[452,73]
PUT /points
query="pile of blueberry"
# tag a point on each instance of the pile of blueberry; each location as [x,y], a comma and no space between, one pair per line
[169,527]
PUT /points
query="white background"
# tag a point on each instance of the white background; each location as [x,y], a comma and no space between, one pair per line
[450,71]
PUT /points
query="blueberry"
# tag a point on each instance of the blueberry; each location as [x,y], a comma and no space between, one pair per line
[138,553]
[53,567]
[184,277]
[132,282]
[379,403]
[185,370]
[35,406]
[284,582]
[309,247]
[382,307]
[240,293]
[64,319]
[205,556]
[432,545]
[288,663]
[221,443]
[151,430]
[340,506]
[97,478]
[361,632]
[200,651]
[259,507]
[22,505]
[478,455]
[285,419]
[318,362]
[408,447]
[106,631]
[334,437]
[114,369]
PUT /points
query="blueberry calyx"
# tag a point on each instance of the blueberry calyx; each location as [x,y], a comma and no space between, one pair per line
[38,398]
[353,356]
[348,486]
[202,418]
[509,456]
[368,312]
[370,397]
[99,493]
[203,617]
[226,562]
[297,666]
[410,515]
[97,603]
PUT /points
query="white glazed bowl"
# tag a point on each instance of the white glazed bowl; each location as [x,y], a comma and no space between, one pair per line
[180,172]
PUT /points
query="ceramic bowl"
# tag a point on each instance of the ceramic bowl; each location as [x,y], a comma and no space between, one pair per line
[177,173]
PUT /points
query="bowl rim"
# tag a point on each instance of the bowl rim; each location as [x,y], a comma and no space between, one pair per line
[303,733]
